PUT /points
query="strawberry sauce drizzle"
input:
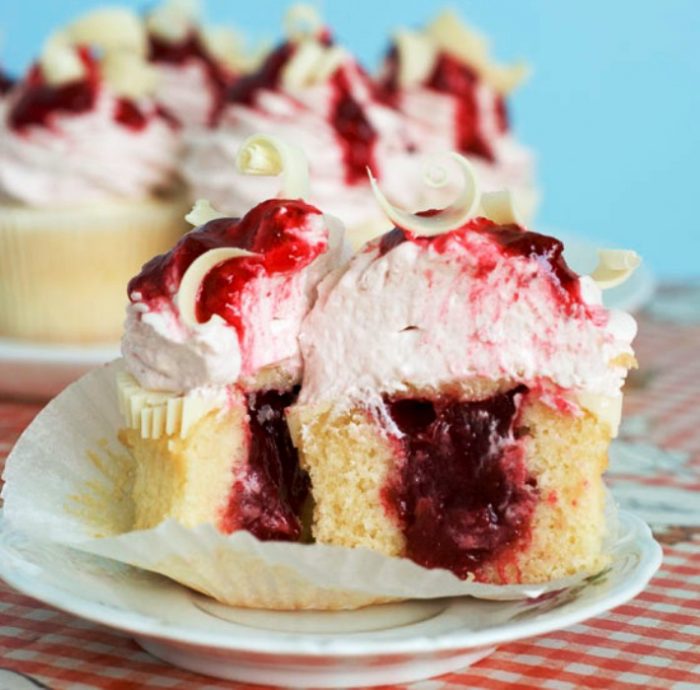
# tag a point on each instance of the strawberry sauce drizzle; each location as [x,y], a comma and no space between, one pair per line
[461,494]
[271,230]
[188,49]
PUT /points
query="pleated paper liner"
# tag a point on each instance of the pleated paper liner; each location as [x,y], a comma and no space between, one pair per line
[64,270]
[68,480]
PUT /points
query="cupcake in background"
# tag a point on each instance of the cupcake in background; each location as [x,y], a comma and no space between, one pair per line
[6,83]
[196,64]
[314,93]
[88,184]
[453,96]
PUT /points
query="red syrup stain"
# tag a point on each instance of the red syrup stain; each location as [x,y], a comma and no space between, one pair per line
[513,240]
[268,498]
[271,229]
[39,101]
[127,113]
[450,76]
[191,48]
[245,90]
[462,494]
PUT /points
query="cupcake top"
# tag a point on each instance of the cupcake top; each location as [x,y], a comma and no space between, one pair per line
[196,64]
[464,293]
[311,91]
[453,95]
[80,129]
[226,303]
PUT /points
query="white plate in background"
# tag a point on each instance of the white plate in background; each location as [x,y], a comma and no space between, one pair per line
[378,645]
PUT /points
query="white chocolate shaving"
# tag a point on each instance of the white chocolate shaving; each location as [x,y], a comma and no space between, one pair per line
[202,212]
[263,154]
[500,207]
[417,55]
[110,28]
[311,64]
[615,266]
[187,293]
[60,63]
[608,409]
[229,47]
[129,74]
[452,35]
[155,414]
[173,19]
[302,22]
[451,217]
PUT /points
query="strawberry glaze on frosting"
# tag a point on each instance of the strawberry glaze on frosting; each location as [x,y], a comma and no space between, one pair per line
[339,122]
[483,300]
[78,142]
[248,308]
[192,83]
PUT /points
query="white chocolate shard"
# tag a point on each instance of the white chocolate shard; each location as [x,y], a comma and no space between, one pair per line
[202,212]
[173,19]
[451,217]
[229,48]
[311,64]
[416,57]
[302,22]
[190,285]
[155,414]
[110,28]
[60,62]
[263,154]
[129,74]
[607,408]
[614,267]
[500,207]
[452,35]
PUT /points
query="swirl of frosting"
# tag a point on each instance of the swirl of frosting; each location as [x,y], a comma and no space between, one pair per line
[226,303]
[80,136]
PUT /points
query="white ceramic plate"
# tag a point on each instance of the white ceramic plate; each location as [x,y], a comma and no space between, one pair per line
[35,370]
[394,643]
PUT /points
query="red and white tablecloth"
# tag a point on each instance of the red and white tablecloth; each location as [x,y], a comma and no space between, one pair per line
[652,642]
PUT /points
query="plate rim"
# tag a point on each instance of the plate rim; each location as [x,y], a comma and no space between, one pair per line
[347,646]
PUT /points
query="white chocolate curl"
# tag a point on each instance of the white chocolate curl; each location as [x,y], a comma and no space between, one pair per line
[110,28]
[191,283]
[263,154]
[173,19]
[129,74]
[451,217]
[417,55]
[202,212]
[500,207]
[302,22]
[614,267]
[311,64]
[60,63]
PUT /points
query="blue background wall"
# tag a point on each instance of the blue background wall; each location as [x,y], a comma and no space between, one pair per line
[612,107]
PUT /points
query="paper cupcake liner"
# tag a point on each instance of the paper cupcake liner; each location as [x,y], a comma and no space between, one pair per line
[63,271]
[68,480]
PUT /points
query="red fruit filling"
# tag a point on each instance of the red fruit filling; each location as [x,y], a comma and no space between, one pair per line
[461,492]
[271,230]
[268,497]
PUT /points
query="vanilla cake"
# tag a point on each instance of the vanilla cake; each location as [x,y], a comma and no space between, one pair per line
[461,387]
[212,359]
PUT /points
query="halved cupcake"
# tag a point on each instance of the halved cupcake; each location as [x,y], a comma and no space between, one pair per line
[213,359]
[461,387]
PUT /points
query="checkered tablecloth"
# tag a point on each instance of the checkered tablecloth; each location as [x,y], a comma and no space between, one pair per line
[652,642]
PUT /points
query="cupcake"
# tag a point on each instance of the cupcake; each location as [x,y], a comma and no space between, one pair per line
[88,187]
[195,64]
[311,91]
[213,360]
[454,98]
[6,83]
[471,428]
